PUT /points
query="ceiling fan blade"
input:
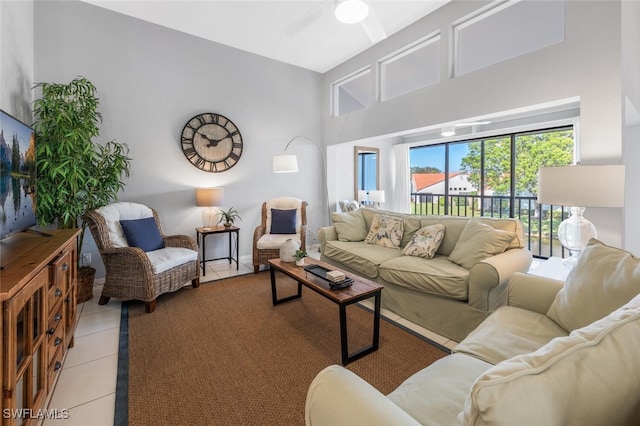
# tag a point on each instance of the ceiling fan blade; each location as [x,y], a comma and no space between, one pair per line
[373,28]
[307,19]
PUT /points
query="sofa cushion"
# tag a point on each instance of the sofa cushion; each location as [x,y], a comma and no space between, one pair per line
[385,231]
[434,395]
[274,241]
[361,257]
[113,213]
[507,224]
[411,222]
[284,203]
[349,226]
[479,241]
[425,242]
[453,229]
[603,279]
[169,257]
[508,332]
[142,233]
[591,377]
[434,276]
[283,221]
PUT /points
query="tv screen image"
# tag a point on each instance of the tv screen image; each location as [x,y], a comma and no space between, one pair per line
[17,175]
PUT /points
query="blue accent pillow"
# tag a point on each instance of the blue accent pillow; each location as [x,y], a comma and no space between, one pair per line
[283,221]
[142,233]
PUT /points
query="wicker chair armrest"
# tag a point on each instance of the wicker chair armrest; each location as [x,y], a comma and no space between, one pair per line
[131,258]
[183,241]
[303,237]
[258,232]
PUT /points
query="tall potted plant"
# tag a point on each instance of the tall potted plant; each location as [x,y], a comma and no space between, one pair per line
[75,174]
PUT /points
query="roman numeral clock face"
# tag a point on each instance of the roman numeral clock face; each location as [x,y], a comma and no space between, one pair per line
[211,142]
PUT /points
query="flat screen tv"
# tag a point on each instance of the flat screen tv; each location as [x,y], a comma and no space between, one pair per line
[17,176]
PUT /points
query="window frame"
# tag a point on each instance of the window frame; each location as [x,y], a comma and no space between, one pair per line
[512,197]
[335,89]
[422,42]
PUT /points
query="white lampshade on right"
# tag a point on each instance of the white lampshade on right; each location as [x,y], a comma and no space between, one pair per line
[285,164]
[579,187]
[376,196]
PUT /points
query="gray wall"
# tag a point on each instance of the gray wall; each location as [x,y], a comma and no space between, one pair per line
[631,133]
[16,59]
[152,80]
[586,66]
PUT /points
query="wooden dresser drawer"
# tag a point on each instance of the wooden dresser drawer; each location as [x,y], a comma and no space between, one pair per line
[55,340]
[55,365]
[56,317]
[56,293]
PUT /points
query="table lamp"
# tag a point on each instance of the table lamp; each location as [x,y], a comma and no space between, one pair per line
[579,187]
[376,196]
[210,198]
[370,197]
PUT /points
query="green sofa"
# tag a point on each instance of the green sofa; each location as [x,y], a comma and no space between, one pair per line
[554,355]
[448,298]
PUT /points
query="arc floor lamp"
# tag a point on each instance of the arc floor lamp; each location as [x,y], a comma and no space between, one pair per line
[289,164]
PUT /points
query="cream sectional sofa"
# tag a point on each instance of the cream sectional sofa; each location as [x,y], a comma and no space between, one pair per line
[555,355]
[448,298]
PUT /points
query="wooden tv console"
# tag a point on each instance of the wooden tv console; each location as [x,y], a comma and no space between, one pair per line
[38,296]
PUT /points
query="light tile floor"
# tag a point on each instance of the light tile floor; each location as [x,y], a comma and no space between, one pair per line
[87,384]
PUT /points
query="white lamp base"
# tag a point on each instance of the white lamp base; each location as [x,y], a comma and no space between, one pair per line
[209,218]
[574,234]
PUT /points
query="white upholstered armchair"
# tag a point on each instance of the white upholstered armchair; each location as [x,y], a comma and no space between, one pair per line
[282,218]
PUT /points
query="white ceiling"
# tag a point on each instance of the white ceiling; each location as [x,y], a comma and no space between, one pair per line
[299,32]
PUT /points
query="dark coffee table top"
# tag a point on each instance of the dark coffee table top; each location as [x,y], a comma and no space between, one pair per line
[360,287]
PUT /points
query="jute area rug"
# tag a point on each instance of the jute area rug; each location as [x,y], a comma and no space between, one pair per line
[222,354]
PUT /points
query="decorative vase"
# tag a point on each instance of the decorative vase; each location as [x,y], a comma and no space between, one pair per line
[288,250]
[228,224]
[300,261]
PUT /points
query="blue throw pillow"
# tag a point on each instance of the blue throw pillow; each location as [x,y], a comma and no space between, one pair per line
[142,233]
[283,221]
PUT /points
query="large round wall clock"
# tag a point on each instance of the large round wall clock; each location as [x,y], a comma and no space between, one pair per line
[211,142]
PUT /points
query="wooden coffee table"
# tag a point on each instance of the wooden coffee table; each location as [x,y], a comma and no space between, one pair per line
[361,289]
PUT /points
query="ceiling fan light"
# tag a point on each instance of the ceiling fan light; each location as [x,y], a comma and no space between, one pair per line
[351,11]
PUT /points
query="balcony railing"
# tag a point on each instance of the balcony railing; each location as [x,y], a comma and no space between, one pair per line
[540,221]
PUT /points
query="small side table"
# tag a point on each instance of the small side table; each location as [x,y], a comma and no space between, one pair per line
[551,268]
[202,233]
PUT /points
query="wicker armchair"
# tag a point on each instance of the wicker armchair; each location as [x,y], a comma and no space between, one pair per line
[132,273]
[267,245]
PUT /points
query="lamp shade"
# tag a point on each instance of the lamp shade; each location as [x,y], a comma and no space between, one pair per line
[362,196]
[285,164]
[209,197]
[376,196]
[583,186]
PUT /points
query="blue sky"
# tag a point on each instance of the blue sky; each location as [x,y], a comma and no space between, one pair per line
[433,155]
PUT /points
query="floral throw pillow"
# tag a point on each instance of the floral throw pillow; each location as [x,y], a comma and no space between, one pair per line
[425,241]
[385,231]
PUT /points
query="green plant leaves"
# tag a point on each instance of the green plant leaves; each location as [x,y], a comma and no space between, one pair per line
[75,174]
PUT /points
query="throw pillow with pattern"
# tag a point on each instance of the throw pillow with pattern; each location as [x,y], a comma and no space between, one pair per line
[425,241]
[385,231]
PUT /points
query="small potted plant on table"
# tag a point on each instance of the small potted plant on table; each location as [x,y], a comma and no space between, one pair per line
[228,217]
[299,257]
